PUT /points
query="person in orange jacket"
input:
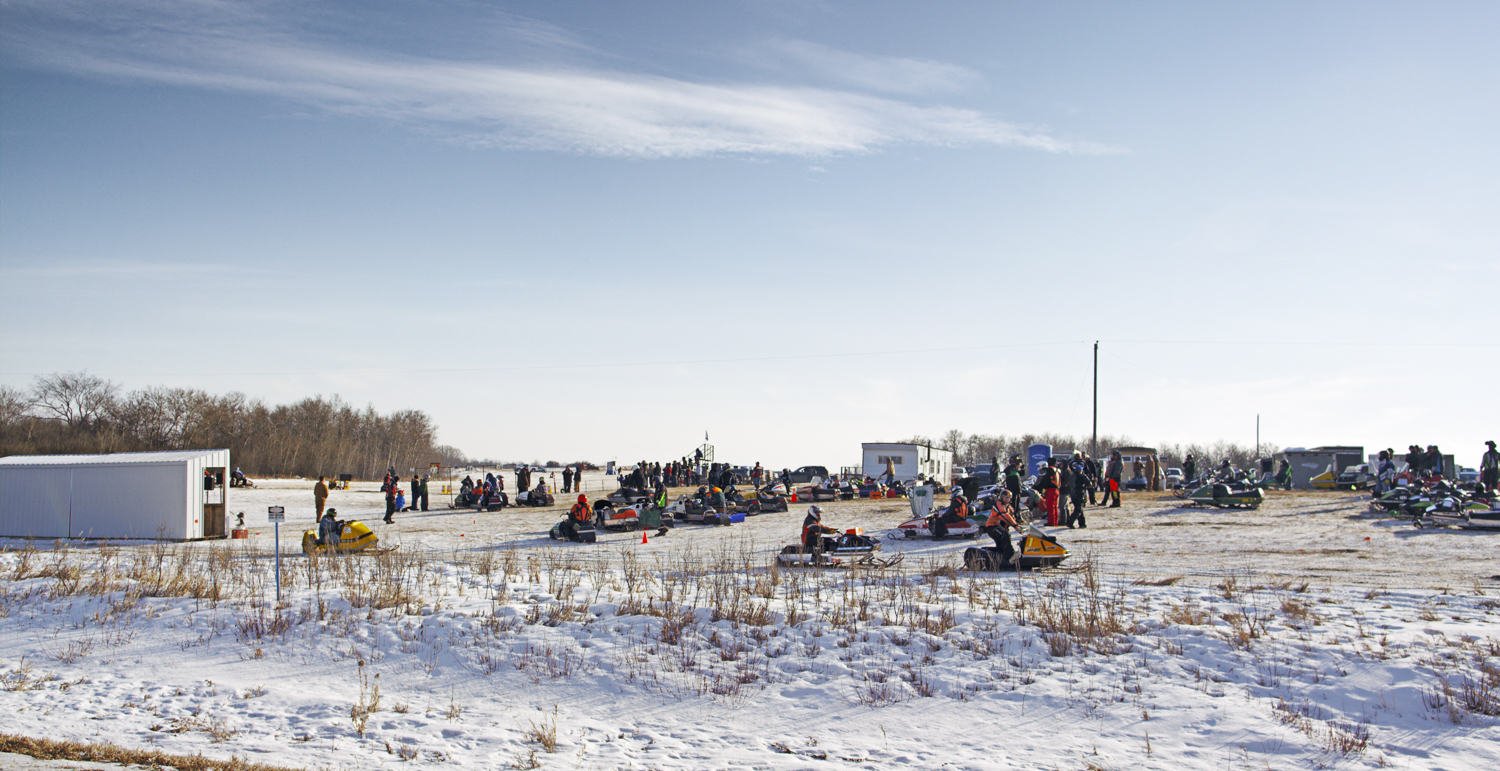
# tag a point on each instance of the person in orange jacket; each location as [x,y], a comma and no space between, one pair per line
[998,527]
[580,514]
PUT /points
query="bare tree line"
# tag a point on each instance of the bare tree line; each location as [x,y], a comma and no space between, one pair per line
[970,449]
[75,412]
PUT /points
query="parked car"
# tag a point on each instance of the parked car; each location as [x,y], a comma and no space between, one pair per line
[1467,477]
[1174,478]
[805,474]
[981,470]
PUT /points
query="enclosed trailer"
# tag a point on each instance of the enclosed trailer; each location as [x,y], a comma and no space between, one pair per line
[1308,462]
[177,495]
[907,460]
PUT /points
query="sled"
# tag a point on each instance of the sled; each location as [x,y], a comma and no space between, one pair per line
[1037,550]
[606,516]
[585,533]
[918,527]
[1220,495]
[852,548]
[355,537]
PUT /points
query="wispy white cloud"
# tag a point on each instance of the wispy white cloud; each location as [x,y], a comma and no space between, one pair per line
[888,74]
[572,109]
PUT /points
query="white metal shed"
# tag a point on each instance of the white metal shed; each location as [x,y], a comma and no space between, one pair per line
[179,495]
[907,460]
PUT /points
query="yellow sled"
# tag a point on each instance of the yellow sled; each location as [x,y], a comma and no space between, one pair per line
[1324,481]
[355,537]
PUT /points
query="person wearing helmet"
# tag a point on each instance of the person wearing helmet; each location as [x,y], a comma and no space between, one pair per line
[1189,468]
[998,527]
[329,528]
[719,503]
[578,515]
[1226,471]
[813,530]
[957,512]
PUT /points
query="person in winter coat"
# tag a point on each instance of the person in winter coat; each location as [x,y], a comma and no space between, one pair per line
[1091,470]
[718,503]
[390,503]
[580,514]
[329,528]
[1489,467]
[320,496]
[416,492]
[567,479]
[956,513]
[998,527]
[423,490]
[813,530]
[1189,469]
[1013,473]
[1080,483]
[1112,473]
[786,479]
[1047,484]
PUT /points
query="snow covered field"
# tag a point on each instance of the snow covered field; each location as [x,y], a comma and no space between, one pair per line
[1176,639]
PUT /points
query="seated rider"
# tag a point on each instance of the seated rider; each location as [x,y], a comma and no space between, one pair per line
[578,515]
[998,527]
[328,527]
[717,501]
[1226,472]
[813,530]
[956,513]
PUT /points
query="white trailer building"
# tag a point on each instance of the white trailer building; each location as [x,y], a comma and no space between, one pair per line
[908,460]
[177,495]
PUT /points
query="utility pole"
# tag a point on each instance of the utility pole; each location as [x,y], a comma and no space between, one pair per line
[1094,443]
[1257,436]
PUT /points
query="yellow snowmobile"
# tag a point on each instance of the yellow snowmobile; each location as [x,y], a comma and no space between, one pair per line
[1038,550]
[353,537]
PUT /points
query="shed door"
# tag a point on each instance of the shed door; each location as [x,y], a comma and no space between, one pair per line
[130,502]
[34,502]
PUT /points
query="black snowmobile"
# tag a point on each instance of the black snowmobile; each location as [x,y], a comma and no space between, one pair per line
[584,532]
[498,500]
[849,548]
[628,496]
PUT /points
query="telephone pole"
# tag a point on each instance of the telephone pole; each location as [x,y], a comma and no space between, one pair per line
[1094,443]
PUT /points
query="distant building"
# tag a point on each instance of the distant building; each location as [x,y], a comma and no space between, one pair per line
[908,460]
[1308,462]
[1129,455]
[177,495]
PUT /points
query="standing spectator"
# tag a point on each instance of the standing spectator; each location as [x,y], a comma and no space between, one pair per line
[1137,468]
[1047,484]
[416,492]
[1385,474]
[1434,461]
[1414,460]
[756,474]
[567,479]
[1189,469]
[1013,472]
[1156,472]
[1080,484]
[425,478]
[1112,473]
[1489,467]
[994,469]
[320,496]
[1091,470]
[390,503]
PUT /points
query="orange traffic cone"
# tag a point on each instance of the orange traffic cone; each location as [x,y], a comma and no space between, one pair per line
[794,496]
[643,537]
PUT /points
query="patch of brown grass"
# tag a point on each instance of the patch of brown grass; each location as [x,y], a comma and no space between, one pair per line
[51,749]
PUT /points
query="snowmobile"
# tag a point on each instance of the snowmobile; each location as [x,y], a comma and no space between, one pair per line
[921,527]
[353,537]
[606,515]
[1037,550]
[1324,481]
[766,501]
[696,510]
[534,498]
[850,548]
[585,533]
[498,501]
[817,494]
[1355,478]
[1455,512]
[628,496]
[1224,496]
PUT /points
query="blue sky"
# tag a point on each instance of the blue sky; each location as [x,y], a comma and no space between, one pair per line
[590,229]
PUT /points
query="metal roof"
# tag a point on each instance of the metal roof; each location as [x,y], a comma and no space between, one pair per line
[108,459]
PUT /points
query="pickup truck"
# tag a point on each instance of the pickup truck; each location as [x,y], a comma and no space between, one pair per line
[805,474]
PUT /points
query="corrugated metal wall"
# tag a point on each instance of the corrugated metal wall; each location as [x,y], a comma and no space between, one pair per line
[130,502]
[34,502]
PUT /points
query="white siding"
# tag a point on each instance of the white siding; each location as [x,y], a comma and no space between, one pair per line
[35,502]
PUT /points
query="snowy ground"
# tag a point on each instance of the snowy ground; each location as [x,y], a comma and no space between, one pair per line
[1195,640]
